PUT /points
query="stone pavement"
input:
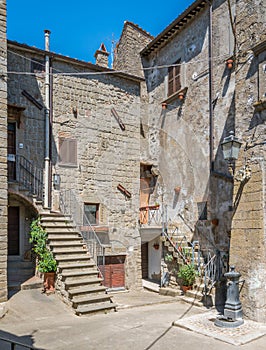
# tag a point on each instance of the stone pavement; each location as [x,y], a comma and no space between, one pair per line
[145,320]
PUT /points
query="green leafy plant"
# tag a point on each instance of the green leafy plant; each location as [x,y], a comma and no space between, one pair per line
[188,274]
[168,258]
[38,237]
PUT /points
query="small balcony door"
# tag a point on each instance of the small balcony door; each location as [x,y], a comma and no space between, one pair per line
[11,151]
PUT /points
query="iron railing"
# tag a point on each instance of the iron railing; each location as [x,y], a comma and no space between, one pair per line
[26,174]
[152,215]
[7,344]
[213,269]
[70,206]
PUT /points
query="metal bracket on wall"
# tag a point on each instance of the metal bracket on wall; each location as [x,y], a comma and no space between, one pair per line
[124,191]
[118,119]
[32,99]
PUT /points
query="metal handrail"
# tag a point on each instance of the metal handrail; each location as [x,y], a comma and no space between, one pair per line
[14,344]
[70,206]
[213,270]
[28,176]
[152,215]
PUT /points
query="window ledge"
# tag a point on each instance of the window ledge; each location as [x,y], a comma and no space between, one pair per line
[66,165]
[260,105]
[175,95]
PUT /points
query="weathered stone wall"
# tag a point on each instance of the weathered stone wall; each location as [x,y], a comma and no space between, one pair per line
[132,41]
[248,247]
[177,139]
[30,130]
[106,154]
[3,152]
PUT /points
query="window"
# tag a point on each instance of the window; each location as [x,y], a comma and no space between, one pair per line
[174,83]
[67,151]
[37,66]
[91,212]
[202,210]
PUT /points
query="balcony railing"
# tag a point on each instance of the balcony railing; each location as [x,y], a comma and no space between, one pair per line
[152,215]
[26,175]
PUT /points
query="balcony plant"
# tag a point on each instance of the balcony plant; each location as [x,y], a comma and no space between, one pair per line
[188,274]
[45,261]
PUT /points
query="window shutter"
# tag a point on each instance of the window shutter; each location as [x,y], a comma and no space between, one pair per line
[67,151]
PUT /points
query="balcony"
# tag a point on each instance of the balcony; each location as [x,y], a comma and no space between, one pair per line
[25,176]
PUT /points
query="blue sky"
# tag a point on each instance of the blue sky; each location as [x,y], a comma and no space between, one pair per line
[79,27]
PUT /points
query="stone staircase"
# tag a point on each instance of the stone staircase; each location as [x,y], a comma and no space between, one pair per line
[78,278]
[185,253]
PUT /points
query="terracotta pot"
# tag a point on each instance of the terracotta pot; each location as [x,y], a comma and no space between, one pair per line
[164,105]
[229,63]
[49,282]
[181,96]
[186,288]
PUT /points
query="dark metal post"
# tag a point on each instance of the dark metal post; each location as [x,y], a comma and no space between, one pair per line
[233,312]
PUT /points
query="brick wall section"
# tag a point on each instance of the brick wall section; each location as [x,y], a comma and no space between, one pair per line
[248,247]
[3,155]
[132,41]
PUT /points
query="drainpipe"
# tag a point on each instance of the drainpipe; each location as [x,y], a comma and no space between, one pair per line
[210,90]
[47,121]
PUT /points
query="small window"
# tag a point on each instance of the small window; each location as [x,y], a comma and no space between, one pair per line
[37,66]
[91,212]
[67,151]
[202,210]
[174,82]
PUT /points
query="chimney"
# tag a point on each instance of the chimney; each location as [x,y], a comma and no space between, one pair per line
[101,56]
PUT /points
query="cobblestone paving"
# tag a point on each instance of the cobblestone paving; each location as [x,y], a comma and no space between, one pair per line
[204,324]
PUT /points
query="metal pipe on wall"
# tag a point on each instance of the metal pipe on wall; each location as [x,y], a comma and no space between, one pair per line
[47,121]
[211,142]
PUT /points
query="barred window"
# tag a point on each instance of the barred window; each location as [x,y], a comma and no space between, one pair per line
[67,151]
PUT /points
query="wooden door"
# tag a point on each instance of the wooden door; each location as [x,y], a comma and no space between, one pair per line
[144,260]
[13,230]
[11,151]
[114,271]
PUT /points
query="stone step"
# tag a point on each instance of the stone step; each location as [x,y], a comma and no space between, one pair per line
[64,236]
[79,273]
[82,282]
[73,257]
[65,244]
[54,218]
[66,266]
[89,299]
[68,250]
[93,308]
[86,290]
[60,229]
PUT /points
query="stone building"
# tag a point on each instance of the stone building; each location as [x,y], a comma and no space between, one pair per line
[93,148]
[3,159]
[205,77]
[140,152]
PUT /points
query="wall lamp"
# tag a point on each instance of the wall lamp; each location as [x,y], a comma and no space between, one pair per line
[230,147]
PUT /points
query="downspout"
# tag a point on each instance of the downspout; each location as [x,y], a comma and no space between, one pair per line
[211,125]
[47,121]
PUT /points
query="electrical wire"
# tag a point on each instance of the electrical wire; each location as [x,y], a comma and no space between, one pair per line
[110,72]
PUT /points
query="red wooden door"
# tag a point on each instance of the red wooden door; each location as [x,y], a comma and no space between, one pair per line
[13,230]
[114,271]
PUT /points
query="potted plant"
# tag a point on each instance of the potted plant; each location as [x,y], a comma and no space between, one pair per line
[45,261]
[188,274]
